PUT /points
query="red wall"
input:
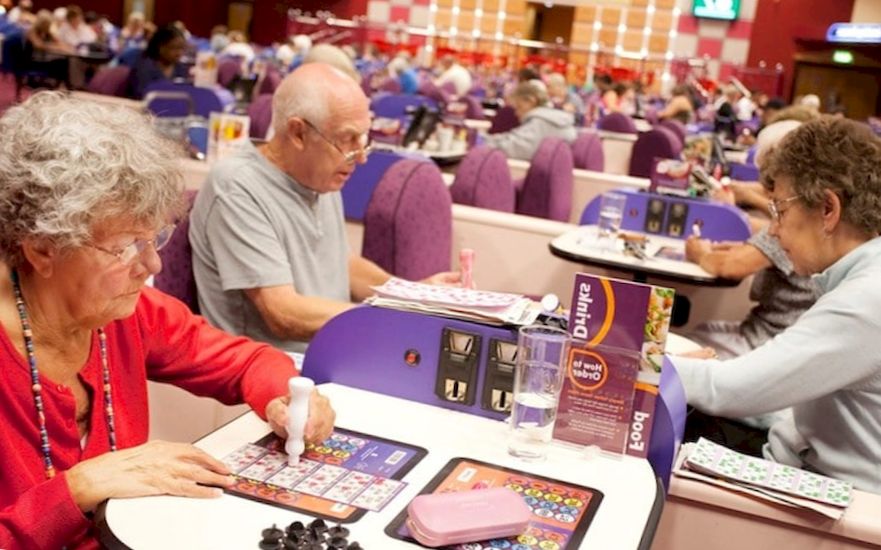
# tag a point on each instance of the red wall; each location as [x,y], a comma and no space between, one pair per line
[779,22]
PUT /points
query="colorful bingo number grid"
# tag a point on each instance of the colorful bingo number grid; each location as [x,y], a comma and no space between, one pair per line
[339,480]
[722,462]
[562,512]
[446,295]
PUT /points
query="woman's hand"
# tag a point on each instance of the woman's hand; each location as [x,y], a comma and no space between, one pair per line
[319,425]
[155,468]
[696,249]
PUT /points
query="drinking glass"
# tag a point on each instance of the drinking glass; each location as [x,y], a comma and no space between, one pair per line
[611,214]
[542,353]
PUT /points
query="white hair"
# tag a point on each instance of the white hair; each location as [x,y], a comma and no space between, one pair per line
[301,42]
[810,100]
[333,56]
[67,164]
[770,136]
[306,100]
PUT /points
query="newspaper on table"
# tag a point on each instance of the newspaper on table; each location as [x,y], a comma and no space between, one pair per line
[763,479]
[495,308]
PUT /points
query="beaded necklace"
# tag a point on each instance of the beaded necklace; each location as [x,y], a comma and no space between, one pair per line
[37,389]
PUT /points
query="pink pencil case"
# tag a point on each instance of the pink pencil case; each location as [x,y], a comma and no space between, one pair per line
[468,516]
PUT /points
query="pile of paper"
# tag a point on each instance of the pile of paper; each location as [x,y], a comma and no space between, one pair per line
[771,481]
[496,308]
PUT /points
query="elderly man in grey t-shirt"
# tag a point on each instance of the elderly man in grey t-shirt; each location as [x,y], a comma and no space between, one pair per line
[270,255]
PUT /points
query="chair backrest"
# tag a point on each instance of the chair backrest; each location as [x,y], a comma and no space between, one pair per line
[676,127]
[176,277]
[227,69]
[390,85]
[587,152]
[110,81]
[396,105]
[657,142]
[270,81]
[430,90]
[505,120]
[473,107]
[260,112]
[675,216]
[547,188]
[483,179]
[364,179]
[617,122]
[409,222]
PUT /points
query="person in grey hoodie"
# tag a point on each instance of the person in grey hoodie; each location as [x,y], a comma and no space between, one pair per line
[537,122]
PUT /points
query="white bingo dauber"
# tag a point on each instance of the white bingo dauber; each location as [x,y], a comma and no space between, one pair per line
[298,412]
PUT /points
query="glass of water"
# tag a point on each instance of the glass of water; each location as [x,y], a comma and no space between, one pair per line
[542,353]
[611,214]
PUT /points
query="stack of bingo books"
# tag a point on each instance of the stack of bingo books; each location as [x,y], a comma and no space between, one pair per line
[495,308]
[771,481]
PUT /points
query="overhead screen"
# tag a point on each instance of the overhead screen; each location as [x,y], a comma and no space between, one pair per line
[726,10]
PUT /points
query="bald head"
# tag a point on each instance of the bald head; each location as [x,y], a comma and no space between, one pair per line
[316,92]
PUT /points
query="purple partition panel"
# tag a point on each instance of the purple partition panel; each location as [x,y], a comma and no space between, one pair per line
[368,347]
[669,425]
[720,222]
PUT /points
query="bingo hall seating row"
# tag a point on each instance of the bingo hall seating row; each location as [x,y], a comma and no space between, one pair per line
[455,364]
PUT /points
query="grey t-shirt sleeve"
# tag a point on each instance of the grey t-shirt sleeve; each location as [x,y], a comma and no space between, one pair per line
[246,247]
[770,247]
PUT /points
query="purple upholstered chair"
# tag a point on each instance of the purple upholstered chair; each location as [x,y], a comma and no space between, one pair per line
[176,277]
[110,81]
[546,191]
[409,222]
[390,85]
[260,112]
[430,90]
[473,107]
[270,81]
[587,152]
[657,142]
[617,122]
[676,127]
[227,69]
[504,121]
[483,179]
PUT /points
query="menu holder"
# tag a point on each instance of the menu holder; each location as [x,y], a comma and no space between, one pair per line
[226,133]
[633,317]
[596,401]
[205,70]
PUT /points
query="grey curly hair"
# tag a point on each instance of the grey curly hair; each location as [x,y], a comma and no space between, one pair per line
[67,164]
[840,155]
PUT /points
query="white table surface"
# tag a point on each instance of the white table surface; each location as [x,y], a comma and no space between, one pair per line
[231,522]
[583,244]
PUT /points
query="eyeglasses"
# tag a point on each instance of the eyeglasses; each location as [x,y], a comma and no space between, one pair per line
[775,204]
[364,145]
[128,253]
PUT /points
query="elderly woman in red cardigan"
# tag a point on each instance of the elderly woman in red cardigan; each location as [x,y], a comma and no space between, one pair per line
[86,195]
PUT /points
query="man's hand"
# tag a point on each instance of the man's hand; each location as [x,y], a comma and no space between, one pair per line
[444,278]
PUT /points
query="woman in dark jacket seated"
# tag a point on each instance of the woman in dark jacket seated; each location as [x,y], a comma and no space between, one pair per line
[160,61]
